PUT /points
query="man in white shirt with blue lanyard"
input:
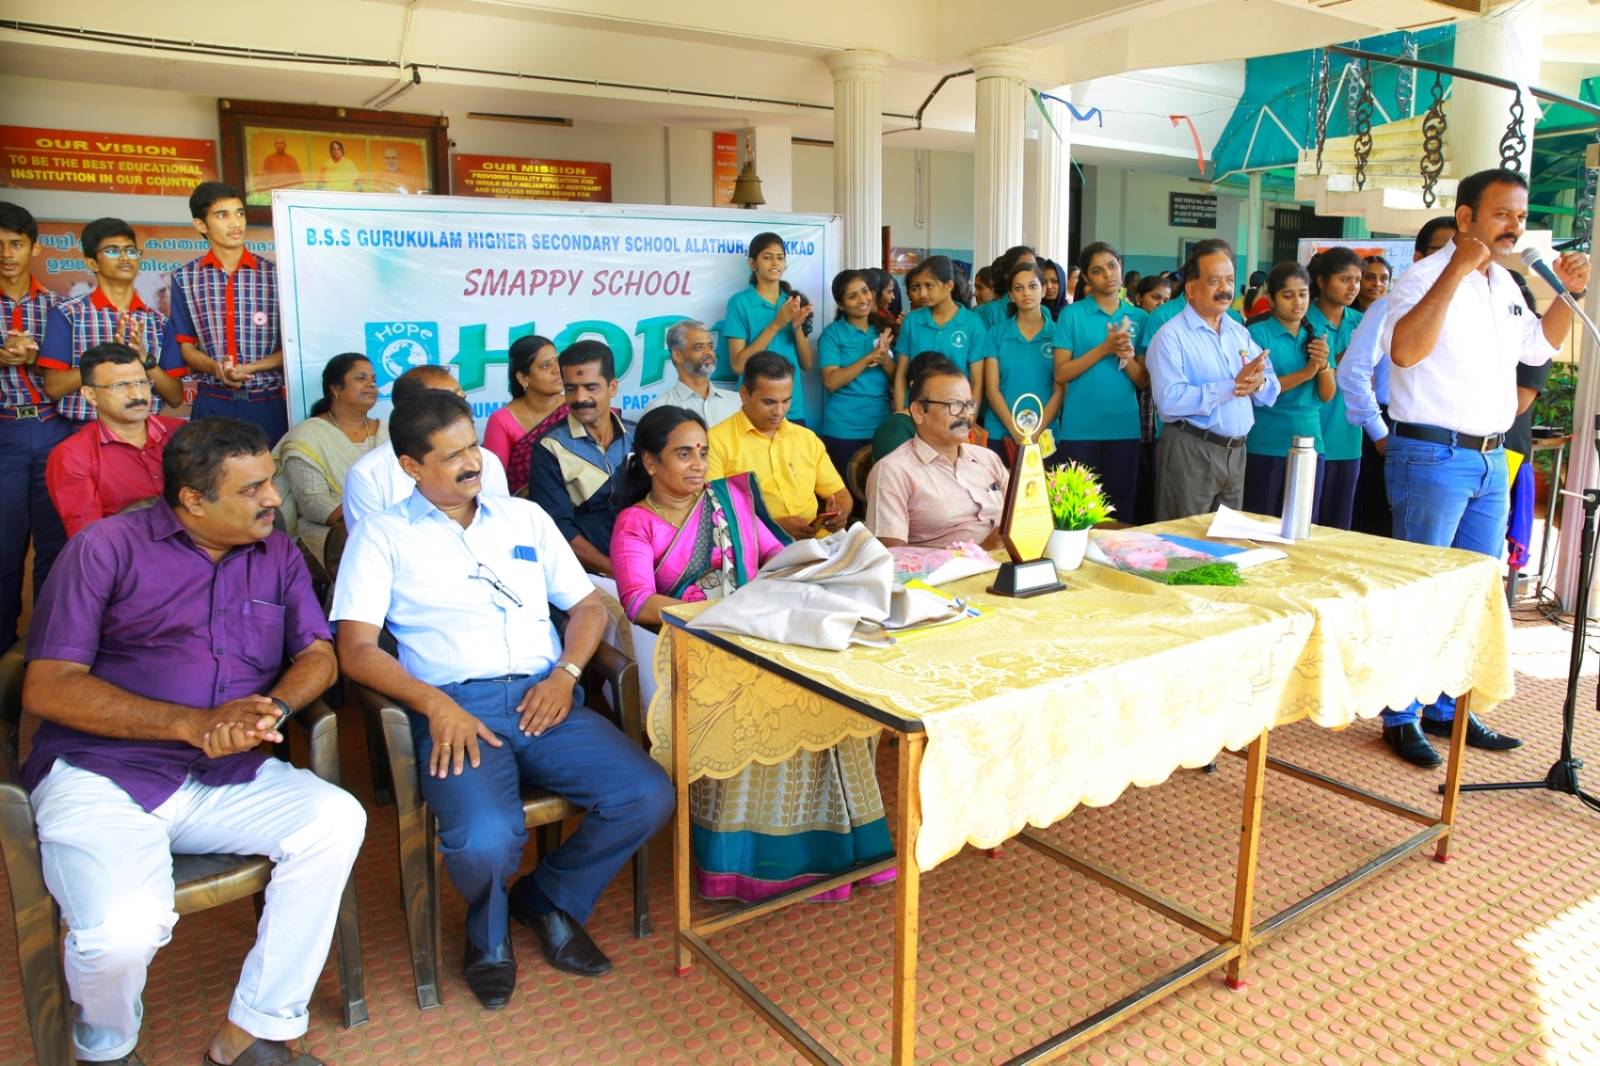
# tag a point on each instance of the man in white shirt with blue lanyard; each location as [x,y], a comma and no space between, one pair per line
[1457,328]
[465,582]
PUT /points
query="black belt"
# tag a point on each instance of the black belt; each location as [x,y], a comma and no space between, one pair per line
[1449,437]
[1209,437]
[42,411]
[501,680]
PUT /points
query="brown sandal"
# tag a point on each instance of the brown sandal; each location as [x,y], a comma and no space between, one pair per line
[268,1053]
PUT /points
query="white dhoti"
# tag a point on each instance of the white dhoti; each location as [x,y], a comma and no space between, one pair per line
[108,863]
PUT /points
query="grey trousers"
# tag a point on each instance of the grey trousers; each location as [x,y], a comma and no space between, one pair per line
[1193,476]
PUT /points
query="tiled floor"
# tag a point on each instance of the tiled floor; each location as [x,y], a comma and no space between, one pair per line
[1494,957]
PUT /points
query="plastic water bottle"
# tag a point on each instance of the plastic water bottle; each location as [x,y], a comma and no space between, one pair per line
[1299,488]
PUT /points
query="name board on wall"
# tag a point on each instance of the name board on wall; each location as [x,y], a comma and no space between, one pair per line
[724,168]
[503,177]
[1192,209]
[79,161]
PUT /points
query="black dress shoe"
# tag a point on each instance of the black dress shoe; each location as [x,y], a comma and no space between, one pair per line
[1478,734]
[565,943]
[492,975]
[1409,743]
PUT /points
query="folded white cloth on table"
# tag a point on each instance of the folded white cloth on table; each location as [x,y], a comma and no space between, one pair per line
[826,593]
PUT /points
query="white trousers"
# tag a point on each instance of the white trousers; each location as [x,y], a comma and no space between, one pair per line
[108,863]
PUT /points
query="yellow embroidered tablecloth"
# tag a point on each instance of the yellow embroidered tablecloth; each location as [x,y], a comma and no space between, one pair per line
[1070,698]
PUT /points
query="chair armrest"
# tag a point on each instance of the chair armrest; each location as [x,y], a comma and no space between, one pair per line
[622,673]
[399,747]
[321,727]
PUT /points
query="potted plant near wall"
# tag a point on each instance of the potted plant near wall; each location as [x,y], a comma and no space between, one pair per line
[1077,503]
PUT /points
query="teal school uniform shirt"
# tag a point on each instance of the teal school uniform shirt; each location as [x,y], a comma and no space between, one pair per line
[1298,411]
[1101,403]
[1026,366]
[748,314]
[856,411]
[1340,440]
[960,340]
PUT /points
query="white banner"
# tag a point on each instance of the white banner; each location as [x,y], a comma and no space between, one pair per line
[454,280]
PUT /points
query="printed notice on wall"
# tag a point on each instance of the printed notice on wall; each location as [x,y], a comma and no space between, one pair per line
[503,177]
[1193,209]
[78,161]
[724,168]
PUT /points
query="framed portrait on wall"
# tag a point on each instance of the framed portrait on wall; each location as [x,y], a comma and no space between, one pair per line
[267,146]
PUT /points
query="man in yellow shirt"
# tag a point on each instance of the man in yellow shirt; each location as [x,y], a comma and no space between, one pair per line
[788,461]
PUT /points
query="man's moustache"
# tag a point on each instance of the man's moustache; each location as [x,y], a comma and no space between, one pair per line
[266,514]
[467,475]
[134,405]
[960,423]
[589,406]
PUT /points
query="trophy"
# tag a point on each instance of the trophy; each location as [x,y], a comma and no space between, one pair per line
[1026,523]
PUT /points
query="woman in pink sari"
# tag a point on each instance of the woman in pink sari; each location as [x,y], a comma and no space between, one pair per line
[682,539]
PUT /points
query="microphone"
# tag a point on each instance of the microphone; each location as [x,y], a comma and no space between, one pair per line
[1533,259]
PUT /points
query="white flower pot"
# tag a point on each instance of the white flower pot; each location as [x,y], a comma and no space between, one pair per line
[1066,547]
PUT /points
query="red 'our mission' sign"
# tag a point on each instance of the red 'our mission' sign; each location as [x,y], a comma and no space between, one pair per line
[511,178]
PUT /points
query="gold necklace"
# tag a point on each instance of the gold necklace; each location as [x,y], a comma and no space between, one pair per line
[650,502]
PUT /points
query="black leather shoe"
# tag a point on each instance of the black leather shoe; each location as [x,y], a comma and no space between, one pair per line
[492,975]
[565,943]
[1409,743]
[1478,734]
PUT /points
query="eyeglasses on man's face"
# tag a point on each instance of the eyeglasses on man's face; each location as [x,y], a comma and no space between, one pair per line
[123,388]
[120,251]
[957,408]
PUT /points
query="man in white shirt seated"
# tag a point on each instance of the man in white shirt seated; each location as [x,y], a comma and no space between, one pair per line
[695,357]
[1456,329]
[465,582]
[376,482]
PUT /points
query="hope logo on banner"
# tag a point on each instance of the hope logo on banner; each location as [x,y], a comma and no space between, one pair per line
[395,347]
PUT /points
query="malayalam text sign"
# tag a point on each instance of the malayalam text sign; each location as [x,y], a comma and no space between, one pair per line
[78,161]
[724,167]
[504,177]
[455,280]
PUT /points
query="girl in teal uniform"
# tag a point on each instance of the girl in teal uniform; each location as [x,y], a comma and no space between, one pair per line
[770,316]
[857,364]
[997,310]
[941,323]
[1335,283]
[1095,362]
[1306,380]
[1019,359]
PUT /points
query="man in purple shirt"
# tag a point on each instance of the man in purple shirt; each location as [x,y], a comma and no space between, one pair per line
[156,661]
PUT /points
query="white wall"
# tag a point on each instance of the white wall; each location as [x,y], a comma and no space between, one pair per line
[690,172]
[813,178]
[1128,208]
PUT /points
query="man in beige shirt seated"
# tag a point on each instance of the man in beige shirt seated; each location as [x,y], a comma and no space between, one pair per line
[935,488]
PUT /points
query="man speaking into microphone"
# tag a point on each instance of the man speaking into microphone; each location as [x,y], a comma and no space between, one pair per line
[1457,328]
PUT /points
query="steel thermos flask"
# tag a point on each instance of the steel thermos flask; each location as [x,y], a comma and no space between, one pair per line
[1299,487]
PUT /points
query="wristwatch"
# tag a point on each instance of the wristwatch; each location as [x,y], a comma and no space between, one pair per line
[575,671]
[284,711]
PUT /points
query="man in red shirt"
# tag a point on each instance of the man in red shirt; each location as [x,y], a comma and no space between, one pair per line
[114,461]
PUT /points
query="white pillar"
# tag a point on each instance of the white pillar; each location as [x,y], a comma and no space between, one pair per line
[858,153]
[774,153]
[1479,113]
[1051,184]
[997,136]
[1252,241]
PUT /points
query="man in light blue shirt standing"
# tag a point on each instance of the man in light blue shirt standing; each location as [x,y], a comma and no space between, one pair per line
[1207,375]
[1363,377]
[465,582]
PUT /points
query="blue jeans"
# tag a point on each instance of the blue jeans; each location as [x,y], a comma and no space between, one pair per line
[26,513]
[1450,498]
[625,795]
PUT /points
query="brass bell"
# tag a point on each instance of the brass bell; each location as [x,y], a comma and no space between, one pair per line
[747,189]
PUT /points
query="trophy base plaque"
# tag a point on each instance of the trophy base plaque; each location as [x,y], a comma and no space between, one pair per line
[1021,580]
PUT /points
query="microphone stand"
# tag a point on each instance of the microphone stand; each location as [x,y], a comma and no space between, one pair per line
[1563,776]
